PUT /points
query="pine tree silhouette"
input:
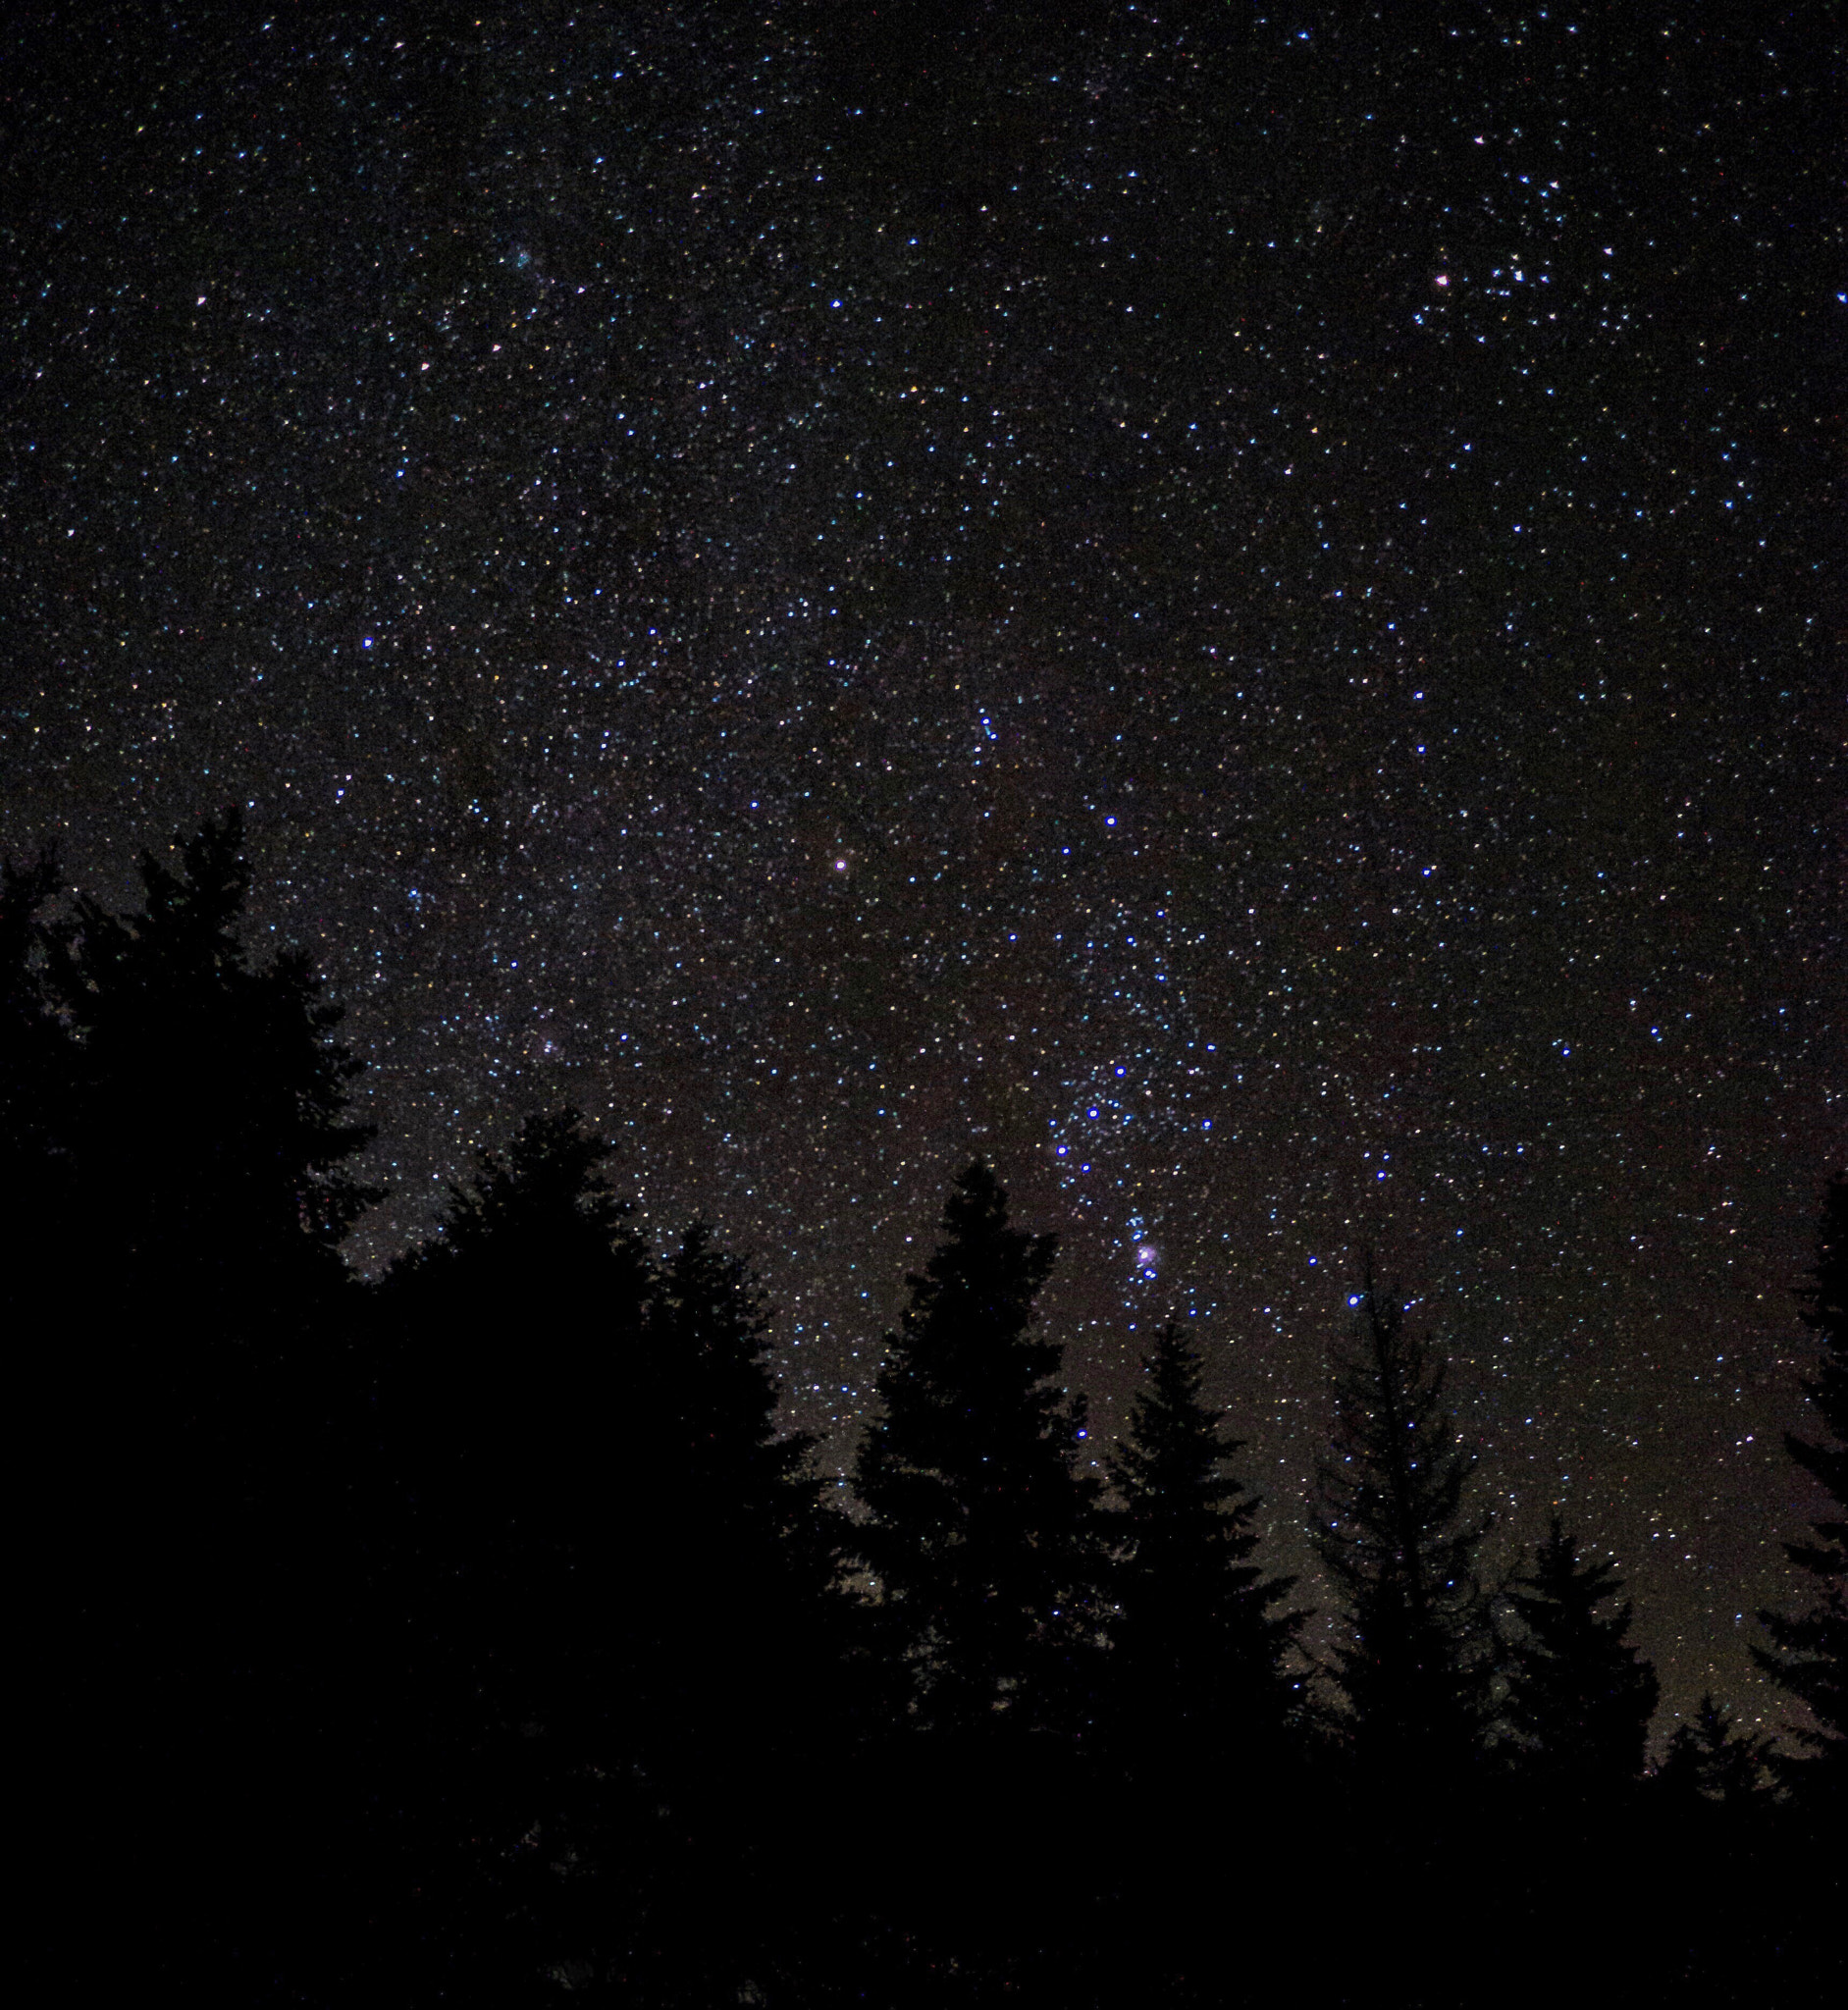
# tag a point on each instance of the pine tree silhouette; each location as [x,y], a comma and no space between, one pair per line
[1710,1759]
[982,1555]
[515,1331]
[743,1704]
[621,1583]
[38,1061]
[1198,1652]
[188,1112]
[1580,1697]
[509,1346]
[743,1555]
[980,1522]
[210,1137]
[1392,1532]
[979,1530]
[512,1339]
[1809,1652]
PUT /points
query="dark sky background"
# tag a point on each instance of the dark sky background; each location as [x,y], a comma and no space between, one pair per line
[1238,607]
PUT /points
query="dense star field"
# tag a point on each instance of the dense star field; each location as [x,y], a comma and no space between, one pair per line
[1239,610]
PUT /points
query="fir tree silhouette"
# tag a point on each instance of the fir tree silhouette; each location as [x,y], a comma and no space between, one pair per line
[1579,1696]
[621,1585]
[516,1329]
[980,1544]
[1809,1654]
[1392,1531]
[1710,1759]
[38,1060]
[742,1701]
[509,1344]
[1198,1651]
[185,1109]
[979,1529]
[209,1132]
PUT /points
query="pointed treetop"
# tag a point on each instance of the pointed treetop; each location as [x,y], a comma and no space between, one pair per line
[981,1255]
[206,897]
[549,1180]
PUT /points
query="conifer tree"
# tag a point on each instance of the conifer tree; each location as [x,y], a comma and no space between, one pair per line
[508,1343]
[1579,1696]
[1197,1650]
[745,1481]
[187,1108]
[37,1097]
[1809,1652]
[1393,1532]
[1710,1759]
[741,1548]
[730,1691]
[620,1575]
[980,1531]
[512,1340]
[210,1137]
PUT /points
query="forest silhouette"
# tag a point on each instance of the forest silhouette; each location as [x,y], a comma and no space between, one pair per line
[478,1634]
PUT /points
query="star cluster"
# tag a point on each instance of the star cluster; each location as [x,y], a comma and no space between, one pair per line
[1243,619]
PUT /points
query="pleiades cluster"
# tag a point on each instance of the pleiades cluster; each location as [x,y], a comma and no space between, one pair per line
[1235,609]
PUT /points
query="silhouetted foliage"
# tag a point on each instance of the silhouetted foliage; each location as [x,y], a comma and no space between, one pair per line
[511,1342]
[38,1093]
[507,1343]
[979,1530]
[622,1580]
[182,1112]
[208,1132]
[482,1632]
[1199,1679]
[1710,1759]
[1809,1652]
[1579,1696]
[1392,1530]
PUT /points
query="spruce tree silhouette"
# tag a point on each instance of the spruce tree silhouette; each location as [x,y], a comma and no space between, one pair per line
[1198,1681]
[1579,1696]
[1809,1654]
[510,1345]
[750,1524]
[38,1061]
[980,1543]
[623,1587]
[980,1532]
[210,1137]
[514,1337]
[1710,1759]
[1392,1532]
[189,1118]
[739,1632]
[1714,1819]
[748,1481]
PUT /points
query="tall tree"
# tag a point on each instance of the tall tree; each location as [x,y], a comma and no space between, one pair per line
[37,1096]
[508,1343]
[731,1689]
[1712,1759]
[745,1484]
[1198,1650]
[980,1522]
[1393,1532]
[1579,1696]
[511,1342]
[619,1578]
[1809,1654]
[211,1139]
[189,1111]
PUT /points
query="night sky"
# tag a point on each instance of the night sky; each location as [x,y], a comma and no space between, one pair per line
[1238,608]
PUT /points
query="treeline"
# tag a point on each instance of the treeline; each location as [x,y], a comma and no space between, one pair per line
[478,1634]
